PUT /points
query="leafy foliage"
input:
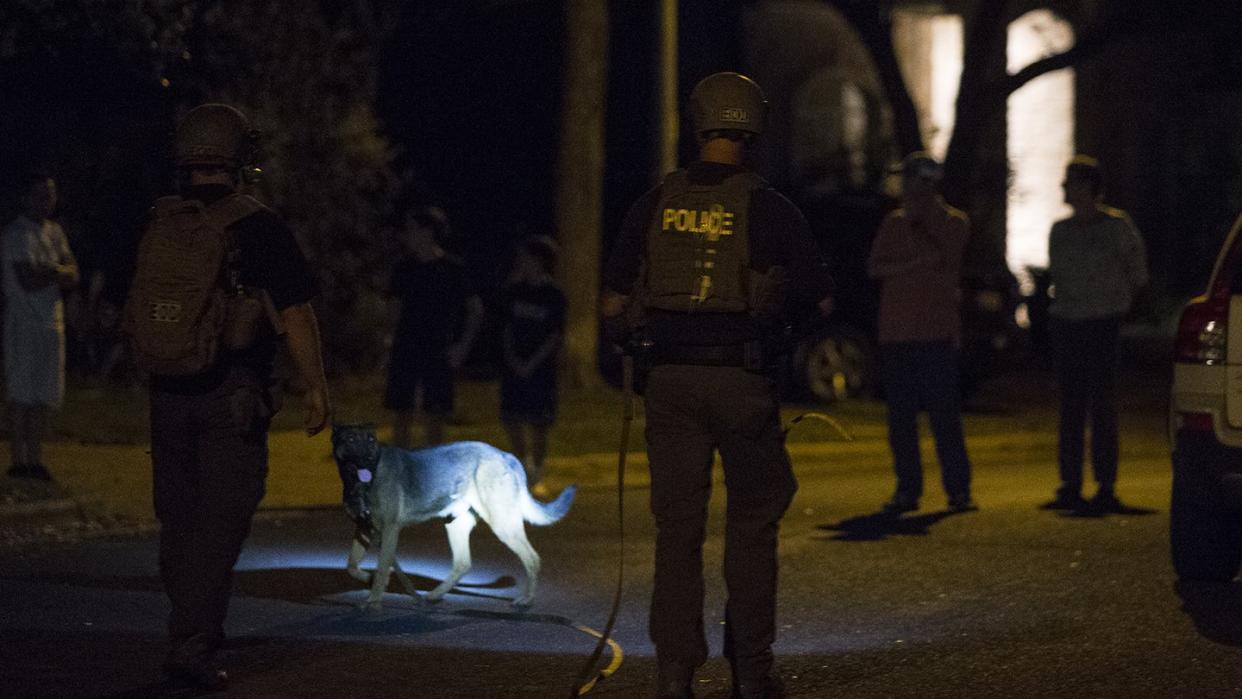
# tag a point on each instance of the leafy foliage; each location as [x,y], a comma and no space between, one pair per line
[305,73]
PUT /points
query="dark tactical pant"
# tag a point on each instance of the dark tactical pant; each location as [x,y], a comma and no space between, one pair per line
[209,454]
[1086,372]
[692,411]
[922,376]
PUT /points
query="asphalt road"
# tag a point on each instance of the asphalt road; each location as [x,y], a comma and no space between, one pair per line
[1007,601]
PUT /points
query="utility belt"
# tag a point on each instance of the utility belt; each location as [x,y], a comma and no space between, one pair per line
[746,355]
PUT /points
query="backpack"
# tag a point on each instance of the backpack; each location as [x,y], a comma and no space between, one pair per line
[178,305]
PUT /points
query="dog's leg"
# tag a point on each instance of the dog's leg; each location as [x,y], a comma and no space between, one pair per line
[357,551]
[383,567]
[459,543]
[513,534]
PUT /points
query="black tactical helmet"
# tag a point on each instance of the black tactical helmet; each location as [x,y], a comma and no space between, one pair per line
[728,102]
[215,135]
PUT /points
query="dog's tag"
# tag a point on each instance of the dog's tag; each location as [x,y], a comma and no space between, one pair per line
[364,475]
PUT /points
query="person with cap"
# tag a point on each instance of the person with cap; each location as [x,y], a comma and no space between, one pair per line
[211,407]
[708,265]
[917,258]
[1097,264]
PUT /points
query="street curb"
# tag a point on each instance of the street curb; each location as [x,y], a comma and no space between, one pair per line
[35,508]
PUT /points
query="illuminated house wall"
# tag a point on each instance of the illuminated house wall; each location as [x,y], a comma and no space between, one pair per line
[1040,129]
[929,46]
[1040,140]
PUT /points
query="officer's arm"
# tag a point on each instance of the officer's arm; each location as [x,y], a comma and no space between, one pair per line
[302,339]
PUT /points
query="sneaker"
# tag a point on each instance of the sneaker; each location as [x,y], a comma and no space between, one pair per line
[901,502]
[769,686]
[962,502]
[674,680]
[1065,500]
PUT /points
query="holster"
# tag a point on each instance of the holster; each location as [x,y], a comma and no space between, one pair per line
[639,349]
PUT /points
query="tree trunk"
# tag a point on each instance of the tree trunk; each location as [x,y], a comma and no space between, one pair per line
[580,191]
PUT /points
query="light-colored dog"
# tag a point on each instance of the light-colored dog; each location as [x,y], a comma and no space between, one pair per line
[387,488]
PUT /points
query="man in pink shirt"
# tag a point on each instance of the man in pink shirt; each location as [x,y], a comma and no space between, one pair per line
[917,258]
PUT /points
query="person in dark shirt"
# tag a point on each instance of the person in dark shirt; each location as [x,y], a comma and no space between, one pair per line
[439,317]
[534,324]
[707,266]
[209,429]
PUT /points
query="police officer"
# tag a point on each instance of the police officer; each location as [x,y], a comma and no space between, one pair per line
[708,265]
[209,429]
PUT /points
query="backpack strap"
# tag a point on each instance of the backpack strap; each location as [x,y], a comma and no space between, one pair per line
[233,208]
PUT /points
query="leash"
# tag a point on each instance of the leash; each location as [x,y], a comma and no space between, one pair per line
[831,421]
[580,687]
[588,677]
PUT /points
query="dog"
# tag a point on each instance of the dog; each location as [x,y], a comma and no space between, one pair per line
[386,488]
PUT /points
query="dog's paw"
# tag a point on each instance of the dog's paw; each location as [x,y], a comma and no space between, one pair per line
[372,605]
[360,575]
[433,597]
[522,604]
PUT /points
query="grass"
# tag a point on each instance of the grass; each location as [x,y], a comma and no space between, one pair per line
[589,419]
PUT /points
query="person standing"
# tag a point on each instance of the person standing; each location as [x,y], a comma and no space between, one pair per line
[1097,264]
[715,261]
[438,317]
[211,407]
[917,258]
[38,268]
[534,323]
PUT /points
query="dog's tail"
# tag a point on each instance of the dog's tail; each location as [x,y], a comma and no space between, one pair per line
[542,513]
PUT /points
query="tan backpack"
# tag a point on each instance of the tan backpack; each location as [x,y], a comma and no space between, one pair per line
[178,304]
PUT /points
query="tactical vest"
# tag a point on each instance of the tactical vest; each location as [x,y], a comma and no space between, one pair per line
[178,312]
[698,246]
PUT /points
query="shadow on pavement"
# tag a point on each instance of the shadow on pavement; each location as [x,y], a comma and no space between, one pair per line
[303,585]
[879,526]
[1215,609]
[1094,513]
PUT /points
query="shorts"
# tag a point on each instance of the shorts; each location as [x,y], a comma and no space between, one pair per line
[530,401]
[408,373]
[34,363]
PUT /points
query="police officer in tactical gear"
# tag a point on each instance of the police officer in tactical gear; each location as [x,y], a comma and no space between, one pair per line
[209,429]
[707,266]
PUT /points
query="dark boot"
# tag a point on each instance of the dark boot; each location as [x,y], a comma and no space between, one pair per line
[674,680]
[193,661]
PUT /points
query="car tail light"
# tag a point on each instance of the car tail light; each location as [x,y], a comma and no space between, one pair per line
[1201,331]
[1194,422]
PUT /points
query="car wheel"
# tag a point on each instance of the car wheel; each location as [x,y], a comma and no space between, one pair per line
[837,367]
[1204,538]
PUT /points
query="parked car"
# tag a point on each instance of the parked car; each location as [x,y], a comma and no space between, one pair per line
[838,359]
[1205,426]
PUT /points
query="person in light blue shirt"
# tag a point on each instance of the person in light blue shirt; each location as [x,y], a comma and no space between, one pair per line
[1097,264]
[38,267]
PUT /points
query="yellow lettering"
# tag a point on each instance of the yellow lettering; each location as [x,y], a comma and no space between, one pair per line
[714,223]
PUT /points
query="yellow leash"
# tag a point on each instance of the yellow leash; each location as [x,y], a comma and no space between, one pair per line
[617,655]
